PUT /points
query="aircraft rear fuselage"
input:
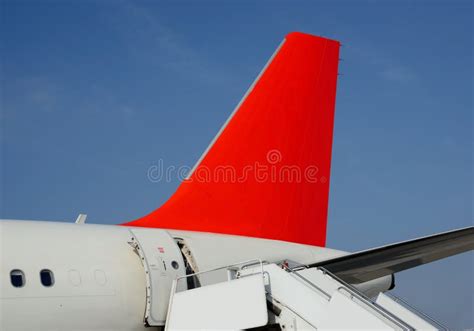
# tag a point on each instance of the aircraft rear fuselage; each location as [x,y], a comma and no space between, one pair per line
[99,281]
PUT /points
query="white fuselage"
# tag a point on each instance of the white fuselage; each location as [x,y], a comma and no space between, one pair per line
[100,282]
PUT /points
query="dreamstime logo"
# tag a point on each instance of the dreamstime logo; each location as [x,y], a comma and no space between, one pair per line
[274,156]
[273,170]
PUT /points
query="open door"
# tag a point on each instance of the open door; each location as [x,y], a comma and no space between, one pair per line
[163,263]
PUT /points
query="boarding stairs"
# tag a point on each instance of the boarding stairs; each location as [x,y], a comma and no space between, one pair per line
[257,294]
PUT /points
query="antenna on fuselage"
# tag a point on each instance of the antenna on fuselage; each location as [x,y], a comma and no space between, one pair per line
[81,219]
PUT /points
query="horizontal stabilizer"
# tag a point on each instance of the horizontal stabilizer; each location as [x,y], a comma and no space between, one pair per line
[378,262]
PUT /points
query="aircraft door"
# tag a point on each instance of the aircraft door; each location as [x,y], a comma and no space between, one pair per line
[163,262]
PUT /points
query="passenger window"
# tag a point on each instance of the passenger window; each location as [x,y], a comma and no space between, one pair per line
[47,277]
[74,277]
[17,278]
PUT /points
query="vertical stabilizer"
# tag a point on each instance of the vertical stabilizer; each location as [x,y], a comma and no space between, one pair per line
[266,174]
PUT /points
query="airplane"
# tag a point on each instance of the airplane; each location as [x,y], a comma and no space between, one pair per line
[239,245]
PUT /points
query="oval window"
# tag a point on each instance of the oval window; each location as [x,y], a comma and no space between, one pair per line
[100,277]
[47,277]
[74,277]
[17,278]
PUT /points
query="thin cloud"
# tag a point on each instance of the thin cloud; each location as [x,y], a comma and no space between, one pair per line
[148,38]
[386,67]
[41,93]
[398,73]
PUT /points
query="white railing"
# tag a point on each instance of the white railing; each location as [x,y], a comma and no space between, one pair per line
[351,292]
[230,268]
[307,282]
[417,312]
[233,272]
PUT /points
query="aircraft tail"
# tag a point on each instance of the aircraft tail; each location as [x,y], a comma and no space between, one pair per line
[266,173]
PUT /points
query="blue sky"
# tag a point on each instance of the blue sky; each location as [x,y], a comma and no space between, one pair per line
[93,93]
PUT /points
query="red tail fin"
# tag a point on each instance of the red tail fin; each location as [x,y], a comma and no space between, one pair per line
[266,174]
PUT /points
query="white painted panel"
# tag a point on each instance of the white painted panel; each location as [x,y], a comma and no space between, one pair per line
[234,305]
[345,314]
[99,280]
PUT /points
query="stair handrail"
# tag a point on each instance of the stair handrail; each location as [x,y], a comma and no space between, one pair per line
[243,264]
[272,298]
[369,303]
[417,312]
[306,281]
[174,285]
